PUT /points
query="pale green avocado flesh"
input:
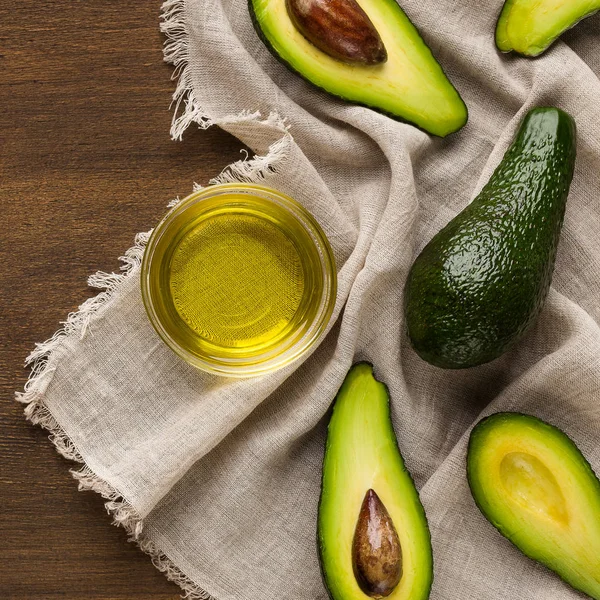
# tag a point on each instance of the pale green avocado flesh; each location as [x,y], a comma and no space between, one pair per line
[530,26]
[410,85]
[362,454]
[534,485]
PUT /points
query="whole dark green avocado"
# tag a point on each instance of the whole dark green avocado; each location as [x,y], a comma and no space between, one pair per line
[481,282]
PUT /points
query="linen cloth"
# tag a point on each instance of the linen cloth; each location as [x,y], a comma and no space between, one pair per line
[219,479]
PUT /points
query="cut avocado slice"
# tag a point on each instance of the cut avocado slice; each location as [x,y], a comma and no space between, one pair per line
[530,26]
[534,485]
[409,86]
[361,457]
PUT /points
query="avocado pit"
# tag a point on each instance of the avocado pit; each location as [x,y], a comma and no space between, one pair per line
[340,28]
[376,551]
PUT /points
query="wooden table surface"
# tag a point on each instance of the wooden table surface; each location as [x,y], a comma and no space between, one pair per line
[85,162]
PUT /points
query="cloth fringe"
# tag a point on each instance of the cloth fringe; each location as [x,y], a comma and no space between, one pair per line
[41,361]
[252,170]
[187,108]
[176,52]
[43,358]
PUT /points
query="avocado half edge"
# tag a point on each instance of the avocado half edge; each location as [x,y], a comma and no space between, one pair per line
[410,86]
[534,485]
[530,27]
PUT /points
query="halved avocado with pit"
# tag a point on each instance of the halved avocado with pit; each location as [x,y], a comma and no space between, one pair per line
[534,485]
[410,85]
[363,473]
[529,27]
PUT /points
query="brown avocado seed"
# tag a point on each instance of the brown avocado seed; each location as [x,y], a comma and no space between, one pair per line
[376,551]
[340,28]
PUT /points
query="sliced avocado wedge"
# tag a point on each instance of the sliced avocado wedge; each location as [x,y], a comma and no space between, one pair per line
[534,485]
[529,27]
[410,85]
[364,474]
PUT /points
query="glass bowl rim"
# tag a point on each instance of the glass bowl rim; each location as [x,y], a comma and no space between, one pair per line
[272,360]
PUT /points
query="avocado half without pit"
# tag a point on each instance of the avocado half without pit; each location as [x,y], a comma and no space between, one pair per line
[534,485]
[372,535]
[364,51]
[529,27]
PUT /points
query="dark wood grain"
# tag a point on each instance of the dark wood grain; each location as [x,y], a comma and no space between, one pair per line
[85,163]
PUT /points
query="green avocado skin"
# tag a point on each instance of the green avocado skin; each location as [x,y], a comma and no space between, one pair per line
[481,282]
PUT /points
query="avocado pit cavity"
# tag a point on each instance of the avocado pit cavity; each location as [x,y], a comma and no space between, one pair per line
[340,28]
[530,483]
[376,551]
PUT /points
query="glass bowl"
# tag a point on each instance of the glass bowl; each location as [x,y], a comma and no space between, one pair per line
[239,280]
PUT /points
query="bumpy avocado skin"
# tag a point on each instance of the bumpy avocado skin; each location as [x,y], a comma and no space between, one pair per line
[462,107]
[356,394]
[481,282]
[555,553]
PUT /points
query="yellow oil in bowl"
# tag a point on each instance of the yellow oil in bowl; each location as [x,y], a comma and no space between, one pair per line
[239,279]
